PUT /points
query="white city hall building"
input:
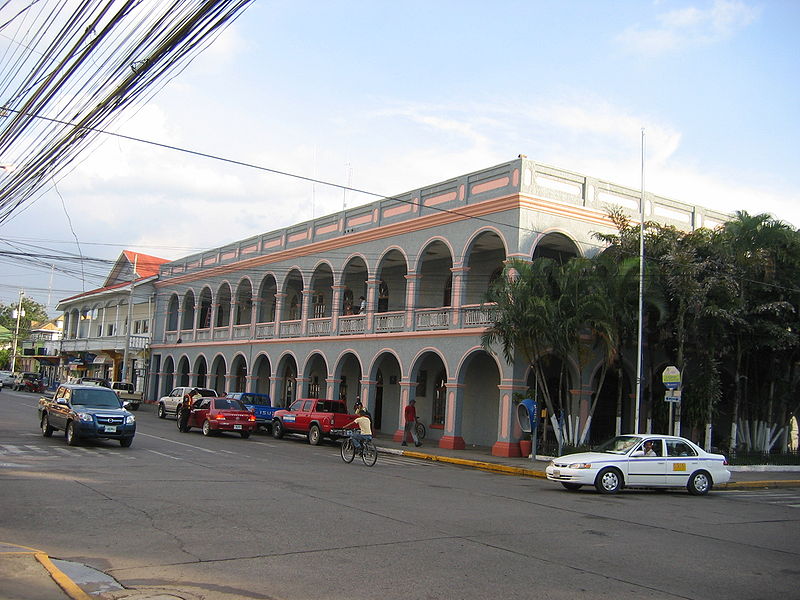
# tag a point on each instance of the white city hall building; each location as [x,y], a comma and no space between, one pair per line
[281,313]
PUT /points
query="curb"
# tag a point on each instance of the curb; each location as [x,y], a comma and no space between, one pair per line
[523,472]
[64,582]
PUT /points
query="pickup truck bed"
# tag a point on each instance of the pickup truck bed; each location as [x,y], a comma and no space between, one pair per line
[313,417]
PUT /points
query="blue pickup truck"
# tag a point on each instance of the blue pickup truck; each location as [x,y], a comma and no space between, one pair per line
[260,405]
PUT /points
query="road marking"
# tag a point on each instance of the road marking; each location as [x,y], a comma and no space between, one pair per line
[179,443]
[165,455]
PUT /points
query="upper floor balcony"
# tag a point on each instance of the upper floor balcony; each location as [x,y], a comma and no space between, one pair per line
[445,318]
[114,343]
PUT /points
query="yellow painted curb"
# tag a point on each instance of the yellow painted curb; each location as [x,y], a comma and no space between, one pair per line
[64,582]
[486,466]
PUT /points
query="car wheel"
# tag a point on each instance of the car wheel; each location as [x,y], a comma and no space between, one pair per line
[207,428]
[47,431]
[572,487]
[277,429]
[314,435]
[126,442]
[162,413]
[245,435]
[72,434]
[699,483]
[609,481]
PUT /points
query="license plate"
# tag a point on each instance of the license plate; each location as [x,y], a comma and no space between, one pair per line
[111,428]
[237,426]
[556,473]
[678,466]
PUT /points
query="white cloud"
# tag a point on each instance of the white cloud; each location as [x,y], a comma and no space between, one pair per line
[679,29]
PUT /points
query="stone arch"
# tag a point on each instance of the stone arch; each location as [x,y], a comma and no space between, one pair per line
[315,376]
[387,372]
[206,302]
[218,375]
[428,371]
[354,284]
[201,371]
[224,300]
[262,374]
[172,312]
[322,291]
[168,380]
[244,302]
[187,319]
[238,374]
[479,374]
[268,301]
[348,374]
[484,256]
[286,386]
[183,371]
[557,246]
[434,269]
[293,287]
[392,283]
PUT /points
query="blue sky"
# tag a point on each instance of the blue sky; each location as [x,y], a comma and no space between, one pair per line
[391,96]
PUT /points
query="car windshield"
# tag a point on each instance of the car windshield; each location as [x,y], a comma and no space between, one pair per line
[228,404]
[99,398]
[618,445]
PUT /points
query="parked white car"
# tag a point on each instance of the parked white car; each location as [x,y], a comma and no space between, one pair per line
[7,378]
[168,405]
[639,460]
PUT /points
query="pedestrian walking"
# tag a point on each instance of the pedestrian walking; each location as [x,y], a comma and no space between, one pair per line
[410,415]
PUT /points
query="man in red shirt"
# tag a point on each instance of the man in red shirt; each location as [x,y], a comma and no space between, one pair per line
[410,415]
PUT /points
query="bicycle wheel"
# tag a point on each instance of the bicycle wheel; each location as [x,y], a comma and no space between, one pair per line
[369,454]
[348,451]
[420,430]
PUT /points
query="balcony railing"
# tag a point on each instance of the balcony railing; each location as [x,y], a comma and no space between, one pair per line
[427,319]
[386,322]
[433,319]
[111,342]
[319,326]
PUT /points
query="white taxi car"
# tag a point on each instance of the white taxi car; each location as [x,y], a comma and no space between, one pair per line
[640,460]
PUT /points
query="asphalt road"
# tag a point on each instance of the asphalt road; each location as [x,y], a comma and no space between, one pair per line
[222,517]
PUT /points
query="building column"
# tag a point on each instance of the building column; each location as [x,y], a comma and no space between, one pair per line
[508,431]
[367,394]
[306,298]
[408,390]
[372,299]
[412,280]
[279,298]
[452,438]
[274,382]
[249,383]
[457,300]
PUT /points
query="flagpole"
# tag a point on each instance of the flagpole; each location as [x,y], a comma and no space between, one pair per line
[639,356]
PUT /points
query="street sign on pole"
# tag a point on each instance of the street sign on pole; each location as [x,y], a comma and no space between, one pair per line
[671,378]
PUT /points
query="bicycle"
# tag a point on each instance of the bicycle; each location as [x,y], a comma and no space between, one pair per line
[420,428]
[367,449]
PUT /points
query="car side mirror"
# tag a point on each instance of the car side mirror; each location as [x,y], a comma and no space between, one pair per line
[62,401]
[638,453]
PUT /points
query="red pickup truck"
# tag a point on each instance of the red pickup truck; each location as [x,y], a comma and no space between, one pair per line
[312,416]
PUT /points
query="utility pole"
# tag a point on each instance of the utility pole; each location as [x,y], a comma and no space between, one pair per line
[124,376]
[20,313]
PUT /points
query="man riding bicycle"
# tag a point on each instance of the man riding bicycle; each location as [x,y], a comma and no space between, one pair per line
[364,432]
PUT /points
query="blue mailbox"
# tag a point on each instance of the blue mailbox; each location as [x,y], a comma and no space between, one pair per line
[528,415]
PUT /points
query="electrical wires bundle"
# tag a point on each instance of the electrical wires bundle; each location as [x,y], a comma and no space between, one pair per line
[70,68]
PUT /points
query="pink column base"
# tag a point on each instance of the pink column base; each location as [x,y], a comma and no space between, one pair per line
[452,442]
[508,449]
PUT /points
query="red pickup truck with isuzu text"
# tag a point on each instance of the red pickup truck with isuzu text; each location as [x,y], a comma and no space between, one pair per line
[317,418]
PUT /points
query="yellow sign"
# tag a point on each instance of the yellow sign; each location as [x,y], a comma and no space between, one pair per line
[678,466]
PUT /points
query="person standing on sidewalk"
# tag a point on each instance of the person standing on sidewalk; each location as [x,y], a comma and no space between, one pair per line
[410,415]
